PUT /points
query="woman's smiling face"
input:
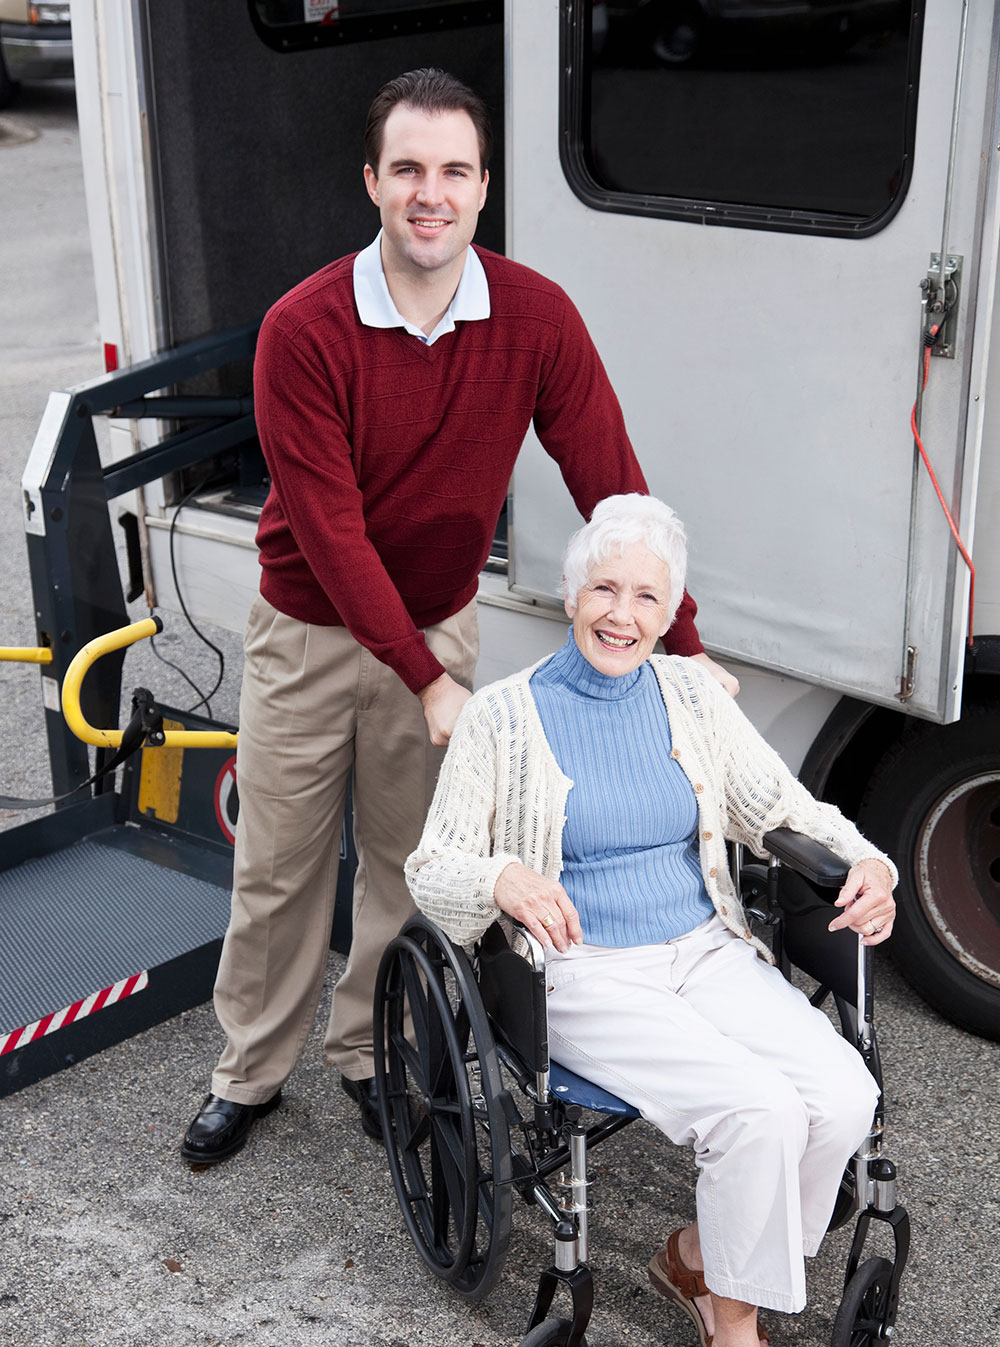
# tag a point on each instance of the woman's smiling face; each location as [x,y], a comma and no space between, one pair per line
[621,611]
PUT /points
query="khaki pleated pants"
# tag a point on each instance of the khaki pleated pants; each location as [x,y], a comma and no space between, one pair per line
[315,704]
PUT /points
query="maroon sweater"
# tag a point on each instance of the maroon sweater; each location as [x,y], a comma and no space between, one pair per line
[390,460]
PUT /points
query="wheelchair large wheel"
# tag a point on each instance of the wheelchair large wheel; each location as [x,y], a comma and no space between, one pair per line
[550,1333]
[847,1200]
[441,1101]
[864,1309]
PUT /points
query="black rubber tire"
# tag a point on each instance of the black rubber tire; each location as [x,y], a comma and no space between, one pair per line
[448,1145]
[677,33]
[550,1333]
[864,1307]
[8,87]
[846,1204]
[933,804]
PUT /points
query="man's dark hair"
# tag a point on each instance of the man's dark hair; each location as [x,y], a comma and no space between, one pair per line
[427,90]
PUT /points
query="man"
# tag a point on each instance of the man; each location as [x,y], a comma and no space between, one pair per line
[393,392]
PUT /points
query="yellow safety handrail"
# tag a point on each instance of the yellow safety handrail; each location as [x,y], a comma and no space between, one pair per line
[104,645]
[26,654]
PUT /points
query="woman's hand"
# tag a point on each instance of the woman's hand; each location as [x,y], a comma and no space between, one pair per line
[869,907]
[540,904]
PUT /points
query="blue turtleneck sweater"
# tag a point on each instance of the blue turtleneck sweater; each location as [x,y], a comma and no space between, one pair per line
[630,850]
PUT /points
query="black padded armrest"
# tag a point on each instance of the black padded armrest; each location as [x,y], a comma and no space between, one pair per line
[807,857]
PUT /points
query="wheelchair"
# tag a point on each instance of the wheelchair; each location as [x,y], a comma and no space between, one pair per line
[474,1111]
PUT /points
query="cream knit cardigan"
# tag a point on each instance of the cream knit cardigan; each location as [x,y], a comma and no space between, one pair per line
[501,797]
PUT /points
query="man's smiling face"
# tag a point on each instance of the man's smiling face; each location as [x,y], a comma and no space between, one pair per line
[429,189]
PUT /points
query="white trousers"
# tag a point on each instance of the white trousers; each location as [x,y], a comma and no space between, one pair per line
[714,1047]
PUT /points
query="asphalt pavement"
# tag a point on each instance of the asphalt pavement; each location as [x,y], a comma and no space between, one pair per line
[107,1239]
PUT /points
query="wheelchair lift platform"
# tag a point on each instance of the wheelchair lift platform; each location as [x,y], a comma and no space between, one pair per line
[107,927]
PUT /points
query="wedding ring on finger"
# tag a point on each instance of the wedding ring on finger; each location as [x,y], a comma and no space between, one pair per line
[876,930]
[548,920]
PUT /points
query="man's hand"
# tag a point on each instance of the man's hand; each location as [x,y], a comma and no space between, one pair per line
[731,684]
[541,904]
[442,700]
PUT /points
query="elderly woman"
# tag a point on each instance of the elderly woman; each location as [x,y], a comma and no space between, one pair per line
[591,798]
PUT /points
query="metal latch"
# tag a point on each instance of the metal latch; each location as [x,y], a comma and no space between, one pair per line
[908,677]
[941,301]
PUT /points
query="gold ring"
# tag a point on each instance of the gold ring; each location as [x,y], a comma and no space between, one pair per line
[548,920]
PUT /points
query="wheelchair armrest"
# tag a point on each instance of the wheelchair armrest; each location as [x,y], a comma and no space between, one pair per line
[807,857]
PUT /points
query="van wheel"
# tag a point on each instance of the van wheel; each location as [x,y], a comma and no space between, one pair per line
[8,87]
[933,803]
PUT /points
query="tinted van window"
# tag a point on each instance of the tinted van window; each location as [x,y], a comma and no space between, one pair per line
[786,114]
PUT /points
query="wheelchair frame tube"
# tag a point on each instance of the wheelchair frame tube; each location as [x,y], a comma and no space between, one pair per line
[547,1203]
[538,964]
[578,1186]
[864,1001]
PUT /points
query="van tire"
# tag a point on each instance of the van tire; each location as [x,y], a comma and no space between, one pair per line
[933,803]
[8,87]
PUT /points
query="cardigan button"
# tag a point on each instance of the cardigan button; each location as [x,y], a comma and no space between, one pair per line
[724,910]
[699,788]
[707,836]
[713,872]
[675,752]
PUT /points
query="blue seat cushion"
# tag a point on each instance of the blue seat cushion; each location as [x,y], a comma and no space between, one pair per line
[573,1089]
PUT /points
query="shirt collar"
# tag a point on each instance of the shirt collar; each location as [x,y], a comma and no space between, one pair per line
[470,302]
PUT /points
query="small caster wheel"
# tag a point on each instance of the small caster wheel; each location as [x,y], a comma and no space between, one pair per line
[864,1309]
[550,1333]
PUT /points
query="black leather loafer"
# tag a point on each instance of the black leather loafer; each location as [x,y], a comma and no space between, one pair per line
[363,1093]
[221,1128]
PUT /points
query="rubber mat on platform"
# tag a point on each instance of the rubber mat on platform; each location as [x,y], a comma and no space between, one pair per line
[80,919]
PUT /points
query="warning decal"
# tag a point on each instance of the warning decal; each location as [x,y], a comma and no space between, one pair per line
[79,1010]
[227,802]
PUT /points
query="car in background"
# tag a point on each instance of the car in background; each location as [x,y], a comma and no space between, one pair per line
[35,44]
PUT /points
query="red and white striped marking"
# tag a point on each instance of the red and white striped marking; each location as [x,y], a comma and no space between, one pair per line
[107,996]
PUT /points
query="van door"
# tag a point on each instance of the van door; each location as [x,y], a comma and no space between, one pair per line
[746,227]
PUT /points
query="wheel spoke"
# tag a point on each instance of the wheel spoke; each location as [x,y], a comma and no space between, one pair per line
[452,1190]
[441,1207]
[411,1058]
[416,999]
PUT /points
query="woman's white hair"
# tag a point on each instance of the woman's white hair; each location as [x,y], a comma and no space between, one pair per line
[617,523]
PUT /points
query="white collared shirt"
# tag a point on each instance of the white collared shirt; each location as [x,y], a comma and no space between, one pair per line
[471,301]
